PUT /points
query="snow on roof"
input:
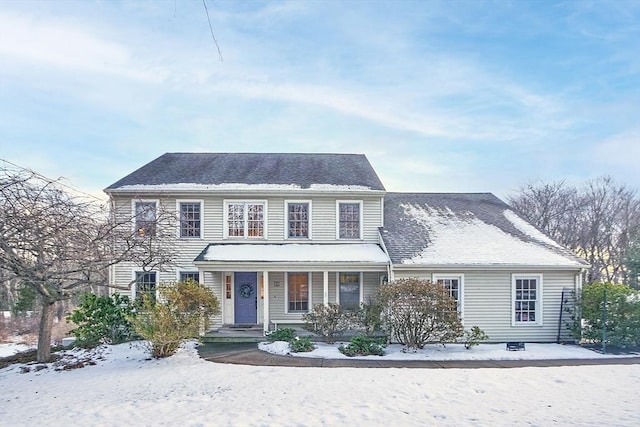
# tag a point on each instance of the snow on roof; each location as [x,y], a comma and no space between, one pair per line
[462,238]
[527,228]
[330,253]
[184,186]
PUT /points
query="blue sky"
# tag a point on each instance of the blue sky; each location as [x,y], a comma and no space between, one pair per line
[442,96]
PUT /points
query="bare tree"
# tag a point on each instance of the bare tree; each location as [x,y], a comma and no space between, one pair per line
[597,221]
[59,244]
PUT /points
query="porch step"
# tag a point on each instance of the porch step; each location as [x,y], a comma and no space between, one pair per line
[235,333]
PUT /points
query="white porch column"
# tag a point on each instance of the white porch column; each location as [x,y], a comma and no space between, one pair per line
[265,301]
[325,288]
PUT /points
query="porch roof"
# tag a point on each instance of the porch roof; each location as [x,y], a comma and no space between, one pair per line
[293,253]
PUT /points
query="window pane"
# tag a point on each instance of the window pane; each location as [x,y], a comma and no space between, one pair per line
[189,219]
[350,290]
[525,300]
[184,276]
[146,285]
[145,218]
[255,220]
[236,220]
[298,219]
[298,292]
[349,220]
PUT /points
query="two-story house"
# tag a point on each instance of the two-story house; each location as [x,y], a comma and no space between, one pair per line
[274,234]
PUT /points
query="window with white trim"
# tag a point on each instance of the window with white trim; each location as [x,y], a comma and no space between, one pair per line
[527,299]
[297,292]
[349,220]
[145,284]
[349,290]
[145,218]
[245,220]
[189,275]
[190,219]
[453,284]
[298,219]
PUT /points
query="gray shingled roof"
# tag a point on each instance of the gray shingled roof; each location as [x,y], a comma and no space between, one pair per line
[255,168]
[457,229]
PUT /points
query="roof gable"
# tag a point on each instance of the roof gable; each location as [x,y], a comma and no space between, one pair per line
[301,171]
[465,229]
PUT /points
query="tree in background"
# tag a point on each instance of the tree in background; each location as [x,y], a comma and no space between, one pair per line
[58,244]
[597,221]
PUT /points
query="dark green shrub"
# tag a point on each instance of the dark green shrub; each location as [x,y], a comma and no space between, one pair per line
[417,312]
[369,316]
[362,345]
[102,320]
[284,334]
[474,337]
[301,344]
[180,314]
[622,312]
[329,321]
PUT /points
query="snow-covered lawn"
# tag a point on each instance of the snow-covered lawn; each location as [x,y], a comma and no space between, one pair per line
[125,388]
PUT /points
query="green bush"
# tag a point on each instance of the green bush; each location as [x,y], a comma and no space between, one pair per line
[623,314]
[370,316]
[474,337]
[301,344]
[417,312]
[362,345]
[183,310]
[329,321]
[102,320]
[284,334]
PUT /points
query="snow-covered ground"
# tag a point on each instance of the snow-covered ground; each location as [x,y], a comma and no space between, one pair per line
[450,352]
[125,388]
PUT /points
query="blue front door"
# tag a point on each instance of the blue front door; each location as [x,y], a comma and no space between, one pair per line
[246,297]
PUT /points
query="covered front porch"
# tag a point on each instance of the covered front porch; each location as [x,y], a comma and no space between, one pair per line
[260,289]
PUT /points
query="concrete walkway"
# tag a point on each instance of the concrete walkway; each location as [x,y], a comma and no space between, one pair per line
[248,354]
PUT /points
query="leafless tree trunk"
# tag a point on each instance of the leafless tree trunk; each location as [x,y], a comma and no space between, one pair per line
[59,244]
[596,221]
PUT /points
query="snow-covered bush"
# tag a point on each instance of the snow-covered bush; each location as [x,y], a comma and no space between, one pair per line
[417,312]
[283,334]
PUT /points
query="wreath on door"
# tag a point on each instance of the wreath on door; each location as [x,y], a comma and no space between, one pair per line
[246,290]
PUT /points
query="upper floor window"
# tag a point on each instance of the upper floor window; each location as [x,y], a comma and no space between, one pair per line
[245,219]
[527,299]
[298,217]
[190,219]
[145,218]
[349,220]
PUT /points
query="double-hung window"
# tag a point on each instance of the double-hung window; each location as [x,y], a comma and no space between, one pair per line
[453,285]
[298,220]
[245,220]
[145,218]
[298,292]
[190,219]
[526,299]
[146,285]
[349,219]
[349,290]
